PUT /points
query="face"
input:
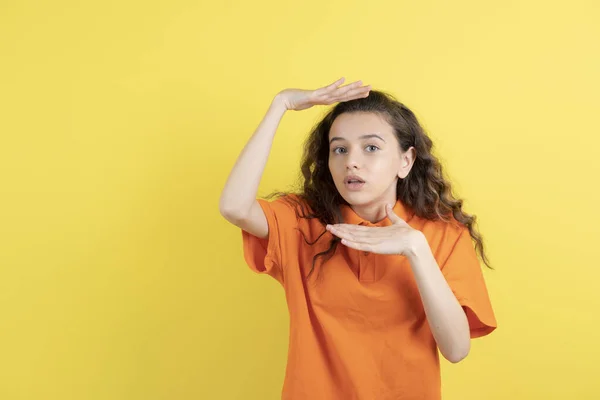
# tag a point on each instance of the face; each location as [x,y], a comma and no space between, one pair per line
[365,159]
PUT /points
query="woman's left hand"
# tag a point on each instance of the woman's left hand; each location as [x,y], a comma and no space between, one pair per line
[398,238]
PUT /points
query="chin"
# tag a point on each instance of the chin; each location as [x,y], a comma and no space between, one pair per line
[356,198]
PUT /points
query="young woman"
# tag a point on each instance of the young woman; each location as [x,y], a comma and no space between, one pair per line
[397,276]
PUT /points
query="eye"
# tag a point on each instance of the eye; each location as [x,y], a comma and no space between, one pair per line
[372,146]
[340,150]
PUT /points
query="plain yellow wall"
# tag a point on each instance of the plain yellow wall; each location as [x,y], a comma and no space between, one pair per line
[120,122]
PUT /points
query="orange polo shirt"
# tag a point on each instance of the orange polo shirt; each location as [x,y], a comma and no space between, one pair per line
[359,331]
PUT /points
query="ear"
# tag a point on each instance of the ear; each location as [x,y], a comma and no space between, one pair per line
[407,160]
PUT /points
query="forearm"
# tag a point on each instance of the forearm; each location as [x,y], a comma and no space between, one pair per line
[241,188]
[446,317]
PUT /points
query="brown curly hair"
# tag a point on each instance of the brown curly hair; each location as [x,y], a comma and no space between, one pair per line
[424,190]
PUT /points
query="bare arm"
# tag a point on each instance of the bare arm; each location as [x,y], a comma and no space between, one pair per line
[238,202]
[238,199]
[446,317]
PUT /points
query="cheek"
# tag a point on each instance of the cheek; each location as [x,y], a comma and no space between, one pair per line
[381,165]
[383,168]
[333,167]
[337,171]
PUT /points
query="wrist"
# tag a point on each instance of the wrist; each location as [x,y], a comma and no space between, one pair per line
[419,246]
[278,103]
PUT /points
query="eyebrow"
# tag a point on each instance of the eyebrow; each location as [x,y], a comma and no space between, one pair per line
[361,137]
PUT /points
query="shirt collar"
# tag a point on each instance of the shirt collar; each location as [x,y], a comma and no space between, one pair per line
[350,217]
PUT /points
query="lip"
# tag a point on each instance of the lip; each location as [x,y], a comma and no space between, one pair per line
[353,177]
[354,187]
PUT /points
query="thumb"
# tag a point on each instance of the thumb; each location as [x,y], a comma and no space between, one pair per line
[392,216]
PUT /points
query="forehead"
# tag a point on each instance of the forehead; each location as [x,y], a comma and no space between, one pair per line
[352,125]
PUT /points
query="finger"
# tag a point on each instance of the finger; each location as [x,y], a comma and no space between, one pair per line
[336,83]
[343,234]
[390,213]
[364,236]
[342,91]
[359,92]
[393,217]
[333,90]
[330,87]
[356,230]
[351,226]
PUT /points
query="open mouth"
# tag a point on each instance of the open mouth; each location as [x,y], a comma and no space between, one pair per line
[353,179]
[354,182]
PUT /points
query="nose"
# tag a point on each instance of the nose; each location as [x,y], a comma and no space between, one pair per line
[353,160]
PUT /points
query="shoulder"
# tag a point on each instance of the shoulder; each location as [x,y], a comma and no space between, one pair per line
[444,234]
[450,225]
[294,211]
[289,202]
[286,208]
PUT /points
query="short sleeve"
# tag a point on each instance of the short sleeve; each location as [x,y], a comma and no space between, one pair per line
[267,256]
[464,275]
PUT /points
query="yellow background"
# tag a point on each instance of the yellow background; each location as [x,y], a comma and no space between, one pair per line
[120,122]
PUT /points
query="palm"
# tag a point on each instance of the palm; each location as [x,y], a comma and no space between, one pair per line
[300,99]
[398,238]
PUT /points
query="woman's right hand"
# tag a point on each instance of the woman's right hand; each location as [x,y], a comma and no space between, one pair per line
[300,99]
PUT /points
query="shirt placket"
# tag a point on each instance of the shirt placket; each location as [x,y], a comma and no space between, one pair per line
[365,263]
[366,267]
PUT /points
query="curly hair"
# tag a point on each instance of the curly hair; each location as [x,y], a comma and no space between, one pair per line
[424,190]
